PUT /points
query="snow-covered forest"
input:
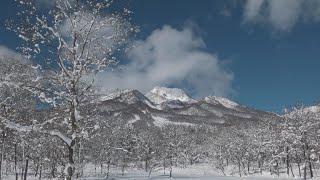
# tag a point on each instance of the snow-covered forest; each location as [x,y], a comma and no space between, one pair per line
[56,122]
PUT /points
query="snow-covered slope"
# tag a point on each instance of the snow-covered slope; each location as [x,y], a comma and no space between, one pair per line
[175,107]
[159,95]
[129,96]
[220,100]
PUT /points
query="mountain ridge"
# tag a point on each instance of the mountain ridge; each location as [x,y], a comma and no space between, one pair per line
[163,106]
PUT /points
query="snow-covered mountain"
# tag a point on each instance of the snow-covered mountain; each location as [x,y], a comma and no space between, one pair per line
[163,106]
[160,95]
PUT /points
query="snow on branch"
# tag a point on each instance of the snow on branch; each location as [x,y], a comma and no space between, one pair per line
[21,128]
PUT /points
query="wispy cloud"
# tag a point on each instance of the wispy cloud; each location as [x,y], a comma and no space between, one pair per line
[282,15]
[171,57]
[9,53]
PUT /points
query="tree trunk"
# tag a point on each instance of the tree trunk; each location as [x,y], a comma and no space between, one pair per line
[70,169]
[164,166]
[108,169]
[239,166]
[15,161]
[123,166]
[122,170]
[80,161]
[305,172]
[310,165]
[244,168]
[305,162]
[287,160]
[310,168]
[2,153]
[1,168]
[146,164]
[292,170]
[298,163]
[26,169]
[278,169]
[37,169]
[22,170]
[53,170]
[171,164]
[40,173]
[259,165]
[73,108]
[150,171]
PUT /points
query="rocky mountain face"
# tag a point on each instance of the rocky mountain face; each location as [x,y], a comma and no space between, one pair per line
[162,106]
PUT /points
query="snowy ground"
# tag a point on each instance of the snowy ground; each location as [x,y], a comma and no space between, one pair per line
[185,178]
[196,172]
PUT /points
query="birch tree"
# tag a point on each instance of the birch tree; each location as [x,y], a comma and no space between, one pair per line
[72,41]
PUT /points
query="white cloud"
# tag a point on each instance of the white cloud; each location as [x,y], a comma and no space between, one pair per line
[252,9]
[8,53]
[282,15]
[170,57]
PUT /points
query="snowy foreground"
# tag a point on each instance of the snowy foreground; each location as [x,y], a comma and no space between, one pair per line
[196,172]
[185,177]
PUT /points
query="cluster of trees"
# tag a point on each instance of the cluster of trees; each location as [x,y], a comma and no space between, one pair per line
[289,145]
[148,149]
[28,151]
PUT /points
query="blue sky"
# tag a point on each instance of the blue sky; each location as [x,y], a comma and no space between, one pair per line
[265,55]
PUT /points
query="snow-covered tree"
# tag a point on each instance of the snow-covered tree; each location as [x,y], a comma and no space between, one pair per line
[17,103]
[301,131]
[72,42]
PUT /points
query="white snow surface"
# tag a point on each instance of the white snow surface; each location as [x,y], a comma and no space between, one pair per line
[159,95]
[135,119]
[194,172]
[220,100]
[21,128]
[160,122]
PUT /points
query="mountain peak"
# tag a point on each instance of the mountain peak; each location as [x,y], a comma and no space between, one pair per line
[220,100]
[159,95]
[129,96]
